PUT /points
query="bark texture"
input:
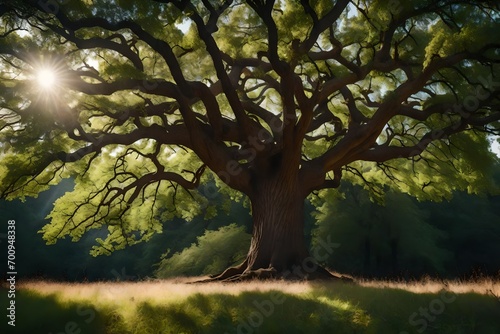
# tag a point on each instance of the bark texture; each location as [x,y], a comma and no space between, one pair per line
[277,249]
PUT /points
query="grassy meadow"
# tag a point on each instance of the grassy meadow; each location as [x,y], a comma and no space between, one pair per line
[256,307]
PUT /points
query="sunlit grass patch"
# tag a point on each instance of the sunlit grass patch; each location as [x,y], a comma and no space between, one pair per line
[257,307]
[480,285]
[246,313]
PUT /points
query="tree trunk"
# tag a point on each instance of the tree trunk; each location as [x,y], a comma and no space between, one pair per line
[277,248]
[278,227]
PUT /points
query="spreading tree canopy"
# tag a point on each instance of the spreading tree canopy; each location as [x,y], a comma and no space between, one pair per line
[142,102]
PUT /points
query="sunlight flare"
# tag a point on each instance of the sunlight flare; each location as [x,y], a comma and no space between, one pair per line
[46,78]
[49,74]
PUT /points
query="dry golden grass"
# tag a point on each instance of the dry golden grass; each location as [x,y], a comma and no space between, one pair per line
[173,289]
[155,290]
[174,306]
[485,286]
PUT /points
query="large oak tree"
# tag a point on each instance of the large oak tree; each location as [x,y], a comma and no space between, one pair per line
[139,100]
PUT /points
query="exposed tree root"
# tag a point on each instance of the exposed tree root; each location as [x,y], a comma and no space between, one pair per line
[241,273]
[258,274]
[226,274]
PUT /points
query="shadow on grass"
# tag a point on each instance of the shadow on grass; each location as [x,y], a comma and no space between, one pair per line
[250,312]
[401,312]
[328,308]
[45,314]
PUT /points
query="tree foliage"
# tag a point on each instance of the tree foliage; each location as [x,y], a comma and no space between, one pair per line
[396,238]
[67,261]
[151,95]
[456,238]
[213,252]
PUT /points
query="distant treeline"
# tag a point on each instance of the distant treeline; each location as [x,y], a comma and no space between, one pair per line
[403,238]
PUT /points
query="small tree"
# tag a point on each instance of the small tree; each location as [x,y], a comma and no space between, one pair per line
[279,99]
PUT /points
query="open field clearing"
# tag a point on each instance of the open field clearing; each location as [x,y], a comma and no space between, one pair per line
[257,307]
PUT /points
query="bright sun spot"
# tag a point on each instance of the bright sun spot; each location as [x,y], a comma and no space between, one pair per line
[46,78]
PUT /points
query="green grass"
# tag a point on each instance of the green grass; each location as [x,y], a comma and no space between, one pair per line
[259,307]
